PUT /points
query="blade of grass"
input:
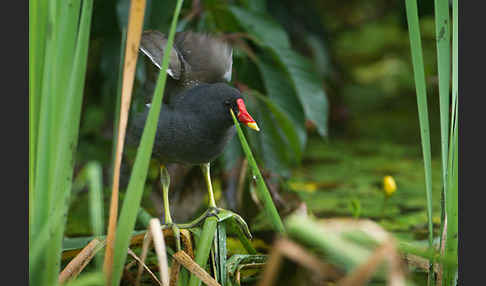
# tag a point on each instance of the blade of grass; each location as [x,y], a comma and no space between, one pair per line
[94,174]
[221,253]
[442,32]
[95,279]
[455,50]
[37,22]
[94,178]
[70,114]
[62,64]
[450,271]
[338,251]
[234,227]
[419,75]
[135,188]
[58,130]
[443,62]
[44,140]
[262,190]
[135,25]
[451,198]
[203,247]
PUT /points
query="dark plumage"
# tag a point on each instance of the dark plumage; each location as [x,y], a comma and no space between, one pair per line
[194,127]
[195,123]
[194,59]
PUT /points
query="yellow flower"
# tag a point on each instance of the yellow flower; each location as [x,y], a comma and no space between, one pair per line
[303,186]
[389,185]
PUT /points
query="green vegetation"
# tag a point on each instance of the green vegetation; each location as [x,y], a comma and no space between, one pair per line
[345,95]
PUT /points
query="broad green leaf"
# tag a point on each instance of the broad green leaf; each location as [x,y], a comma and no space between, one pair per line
[308,87]
[280,91]
[262,27]
[285,124]
[271,143]
[305,82]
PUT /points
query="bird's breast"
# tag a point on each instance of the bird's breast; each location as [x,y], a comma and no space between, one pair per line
[190,140]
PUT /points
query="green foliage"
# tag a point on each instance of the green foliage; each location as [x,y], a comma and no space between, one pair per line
[290,83]
[283,66]
[263,192]
[448,137]
[57,73]
[270,36]
[418,67]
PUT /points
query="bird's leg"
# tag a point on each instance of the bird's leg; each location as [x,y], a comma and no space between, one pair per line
[207,177]
[212,210]
[165,182]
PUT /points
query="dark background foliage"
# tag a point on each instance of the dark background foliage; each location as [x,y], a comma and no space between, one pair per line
[310,70]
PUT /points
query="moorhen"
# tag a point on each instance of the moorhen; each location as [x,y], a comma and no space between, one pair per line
[195,122]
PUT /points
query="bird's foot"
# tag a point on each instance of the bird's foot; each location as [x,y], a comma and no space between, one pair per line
[221,215]
[176,231]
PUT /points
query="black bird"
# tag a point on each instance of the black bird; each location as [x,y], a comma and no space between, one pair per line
[195,122]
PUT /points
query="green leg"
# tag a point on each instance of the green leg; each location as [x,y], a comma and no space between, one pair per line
[165,182]
[207,177]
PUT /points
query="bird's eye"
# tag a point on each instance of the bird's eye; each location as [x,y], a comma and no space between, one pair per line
[227,102]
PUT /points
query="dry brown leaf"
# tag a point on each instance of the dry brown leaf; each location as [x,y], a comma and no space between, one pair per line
[159,244]
[145,247]
[300,255]
[77,264]
[272,266]
[186,261]
[174,273]
[142,264]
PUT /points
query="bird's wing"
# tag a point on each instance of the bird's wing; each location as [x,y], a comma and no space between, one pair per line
[153,44]
[206,59]
[195,58]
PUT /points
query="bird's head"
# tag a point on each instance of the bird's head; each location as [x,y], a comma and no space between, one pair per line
[213,102]
[221,98]
[234,101]
[239,109]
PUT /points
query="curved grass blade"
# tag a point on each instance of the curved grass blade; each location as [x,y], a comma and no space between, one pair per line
[94,175]
[37,22]
[442,32]
[204,246]
[338,251]
[419,75]
[135,187]
[137,11]
[452,235]
[452,238]
[262,190]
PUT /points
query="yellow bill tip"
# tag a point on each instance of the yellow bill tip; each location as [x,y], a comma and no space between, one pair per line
[253,126]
